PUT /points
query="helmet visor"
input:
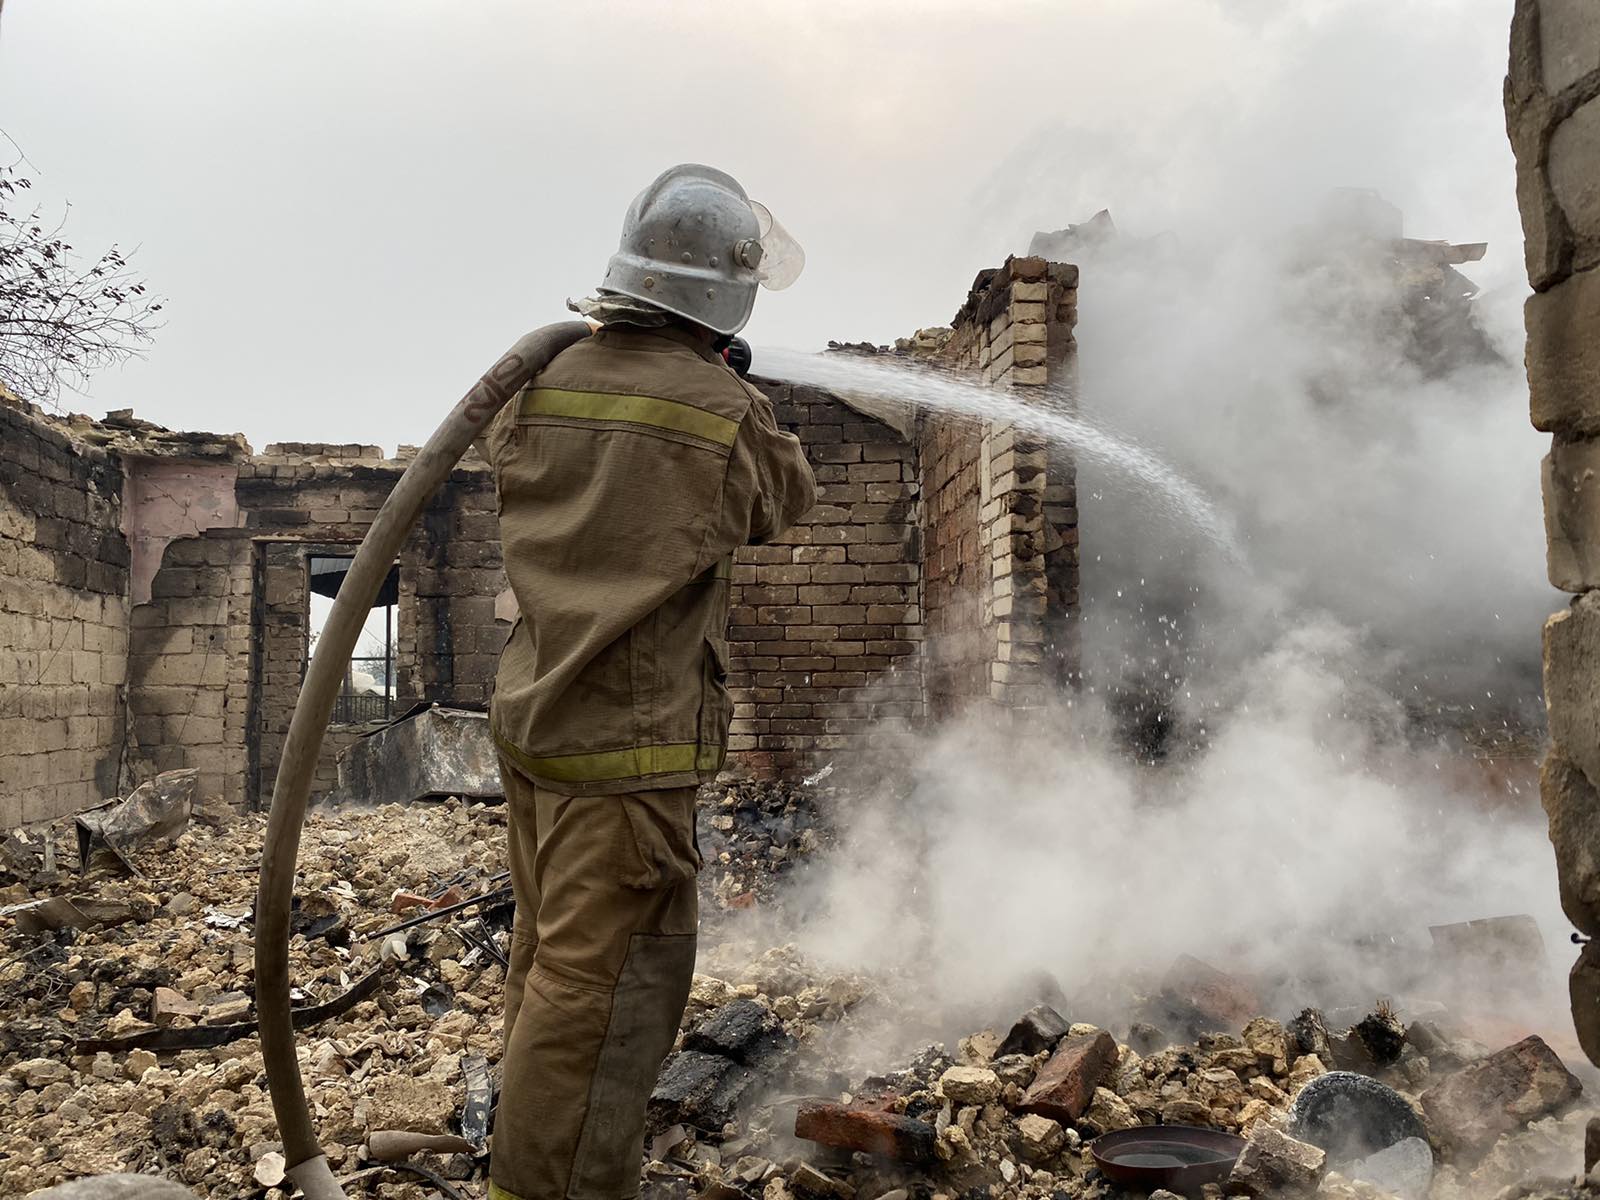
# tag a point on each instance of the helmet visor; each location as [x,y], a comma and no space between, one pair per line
[782,259]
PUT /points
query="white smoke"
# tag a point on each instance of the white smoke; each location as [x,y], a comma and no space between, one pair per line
[1393,565]
[989,857]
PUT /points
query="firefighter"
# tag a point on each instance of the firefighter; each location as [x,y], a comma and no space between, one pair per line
[628,471]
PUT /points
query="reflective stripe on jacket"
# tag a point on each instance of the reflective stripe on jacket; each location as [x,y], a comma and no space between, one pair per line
[628,472]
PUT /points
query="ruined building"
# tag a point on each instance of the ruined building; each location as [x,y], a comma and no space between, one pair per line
[157,589]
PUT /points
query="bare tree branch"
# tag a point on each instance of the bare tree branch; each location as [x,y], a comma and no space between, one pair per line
[61,317]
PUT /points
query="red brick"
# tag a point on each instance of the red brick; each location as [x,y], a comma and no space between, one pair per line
[1065,1084]
[865,1128]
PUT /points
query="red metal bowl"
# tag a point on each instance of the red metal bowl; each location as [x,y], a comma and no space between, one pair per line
[1181,1158]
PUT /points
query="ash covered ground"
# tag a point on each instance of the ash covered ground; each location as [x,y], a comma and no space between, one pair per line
[792,1078]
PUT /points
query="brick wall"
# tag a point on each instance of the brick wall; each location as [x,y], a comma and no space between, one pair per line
[966,530]
[1000,509]
[1552,99]
[63,620]
[826,622]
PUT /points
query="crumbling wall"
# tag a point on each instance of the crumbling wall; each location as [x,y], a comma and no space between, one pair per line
[458,574]
[63,619]
[826,622]
[1552,99]
[188,662]
[307,499]
[999,509]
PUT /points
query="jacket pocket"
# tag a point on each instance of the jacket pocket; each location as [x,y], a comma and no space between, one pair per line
[658,844]
[716,706]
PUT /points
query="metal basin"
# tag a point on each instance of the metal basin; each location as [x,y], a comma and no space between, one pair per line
[1181,1158]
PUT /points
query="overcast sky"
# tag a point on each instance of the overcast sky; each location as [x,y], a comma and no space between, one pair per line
[351,208]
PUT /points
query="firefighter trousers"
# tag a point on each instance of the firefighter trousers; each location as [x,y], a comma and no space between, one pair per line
[602,957]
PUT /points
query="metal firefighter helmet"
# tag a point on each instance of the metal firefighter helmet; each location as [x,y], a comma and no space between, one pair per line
[696,245]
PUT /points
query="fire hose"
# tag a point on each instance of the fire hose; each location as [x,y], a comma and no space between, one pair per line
[279,853]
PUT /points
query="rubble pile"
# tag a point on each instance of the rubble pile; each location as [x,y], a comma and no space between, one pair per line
[167,953]
[153,941]
[1014,1113]
[752,834]
[126,1041]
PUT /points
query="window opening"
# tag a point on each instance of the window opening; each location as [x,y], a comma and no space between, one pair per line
[369,688]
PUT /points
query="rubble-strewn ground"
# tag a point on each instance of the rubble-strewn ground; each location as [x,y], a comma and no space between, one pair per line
[763,1043]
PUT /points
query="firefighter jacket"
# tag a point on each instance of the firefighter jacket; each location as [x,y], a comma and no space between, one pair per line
[628,471]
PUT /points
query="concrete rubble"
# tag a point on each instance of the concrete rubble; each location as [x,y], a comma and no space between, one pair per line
[766,1094]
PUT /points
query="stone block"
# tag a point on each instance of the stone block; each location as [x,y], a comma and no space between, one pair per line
[1573,167]
[1569,42]
[970,1085]
[1201,999]
[1275,1164]
[1573,807]
[1572,684]
[1563,355]
[1498,1094]
[1038,1029]
[1583,989]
